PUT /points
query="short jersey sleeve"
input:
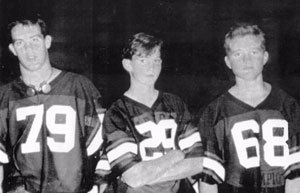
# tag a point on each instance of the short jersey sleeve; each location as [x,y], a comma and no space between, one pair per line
[189,139]
[4,100]
[292,113]
[213,169]
[93,114]
[121,147]
[4,159]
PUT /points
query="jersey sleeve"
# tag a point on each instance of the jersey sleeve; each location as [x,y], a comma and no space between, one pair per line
[213,168]
[4,158]
[93,115]
[92,122]
[189,139]
[103,170]
[292,111]
[121,147]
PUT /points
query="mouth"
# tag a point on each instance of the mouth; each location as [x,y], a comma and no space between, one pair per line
[247,68]
[31,58]
[151,75]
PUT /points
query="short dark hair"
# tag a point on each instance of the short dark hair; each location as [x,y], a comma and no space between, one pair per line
[32,19]
[141,44]
[243,29]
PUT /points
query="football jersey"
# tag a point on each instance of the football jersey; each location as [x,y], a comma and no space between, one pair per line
[251,149]
[53,139]
[135,133]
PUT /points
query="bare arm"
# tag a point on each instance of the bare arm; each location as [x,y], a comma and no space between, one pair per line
[292,186]
[207,188]
[147,172]
[1,178]
[182,169]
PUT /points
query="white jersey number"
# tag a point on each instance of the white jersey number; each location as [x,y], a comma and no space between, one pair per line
[162,133]
[271,142]
[66,127]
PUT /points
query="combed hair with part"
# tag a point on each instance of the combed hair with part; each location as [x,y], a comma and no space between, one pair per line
[241,30]
[141,44]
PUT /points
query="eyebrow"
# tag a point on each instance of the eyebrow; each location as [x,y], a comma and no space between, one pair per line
[36,35]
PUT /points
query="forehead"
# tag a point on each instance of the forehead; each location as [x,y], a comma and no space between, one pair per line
[245,42]
[22,31]
[141,52]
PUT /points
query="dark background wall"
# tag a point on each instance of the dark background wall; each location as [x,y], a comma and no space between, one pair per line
[88,36]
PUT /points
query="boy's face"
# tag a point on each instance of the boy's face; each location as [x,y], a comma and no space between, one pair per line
[146,69]
[30,46]
[246,57]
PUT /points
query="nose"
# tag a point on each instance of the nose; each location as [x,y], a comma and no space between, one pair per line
[247,57]
[29,46]
[150,64]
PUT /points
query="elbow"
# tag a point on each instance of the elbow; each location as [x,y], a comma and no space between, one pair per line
[132,181]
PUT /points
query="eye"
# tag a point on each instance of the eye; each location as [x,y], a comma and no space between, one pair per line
[142,60]
[237,54]
[18,43]
[255,52]
[158,61]
[36,39]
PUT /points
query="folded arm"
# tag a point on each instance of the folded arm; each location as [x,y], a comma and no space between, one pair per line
[147,172]
[207,188]
[172,166]
[292,186]
[182,169]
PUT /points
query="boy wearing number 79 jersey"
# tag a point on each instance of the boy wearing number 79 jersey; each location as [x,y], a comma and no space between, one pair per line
[50,120]
[251,133]
[150,141]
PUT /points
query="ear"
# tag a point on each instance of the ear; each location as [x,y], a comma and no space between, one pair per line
[127,65]
[266,57]
[48,41]
[12,49]
[227,62]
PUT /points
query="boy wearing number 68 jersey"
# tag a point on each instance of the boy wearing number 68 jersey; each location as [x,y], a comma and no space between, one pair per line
[150,141]
[251,133]
[50,120]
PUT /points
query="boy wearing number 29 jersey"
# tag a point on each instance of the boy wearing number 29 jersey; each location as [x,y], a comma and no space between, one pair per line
[52,138]
[251,133]
[150,141]
[138,133]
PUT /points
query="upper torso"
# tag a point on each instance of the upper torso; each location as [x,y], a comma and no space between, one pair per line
[46,135]
[137,133]
[252,143]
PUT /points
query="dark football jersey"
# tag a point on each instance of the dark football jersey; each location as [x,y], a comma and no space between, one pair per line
[135,133]
[52,139]
[251,149]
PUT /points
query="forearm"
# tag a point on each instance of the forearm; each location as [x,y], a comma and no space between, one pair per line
[292,186]
[146,172]
[207,188]
[1,178]
[185,168]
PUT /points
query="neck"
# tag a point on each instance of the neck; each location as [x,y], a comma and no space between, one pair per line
[251,92]
[37,77]
[247,85]
[145,94]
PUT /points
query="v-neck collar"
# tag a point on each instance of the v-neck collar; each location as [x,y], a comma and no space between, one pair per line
[137,103]
[246,105]
[22,86]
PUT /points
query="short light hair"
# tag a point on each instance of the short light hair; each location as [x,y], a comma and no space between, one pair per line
[141,44]
[241,30]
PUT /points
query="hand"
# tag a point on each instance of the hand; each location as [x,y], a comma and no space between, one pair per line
[94,189]
[175,155]
[20,189]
